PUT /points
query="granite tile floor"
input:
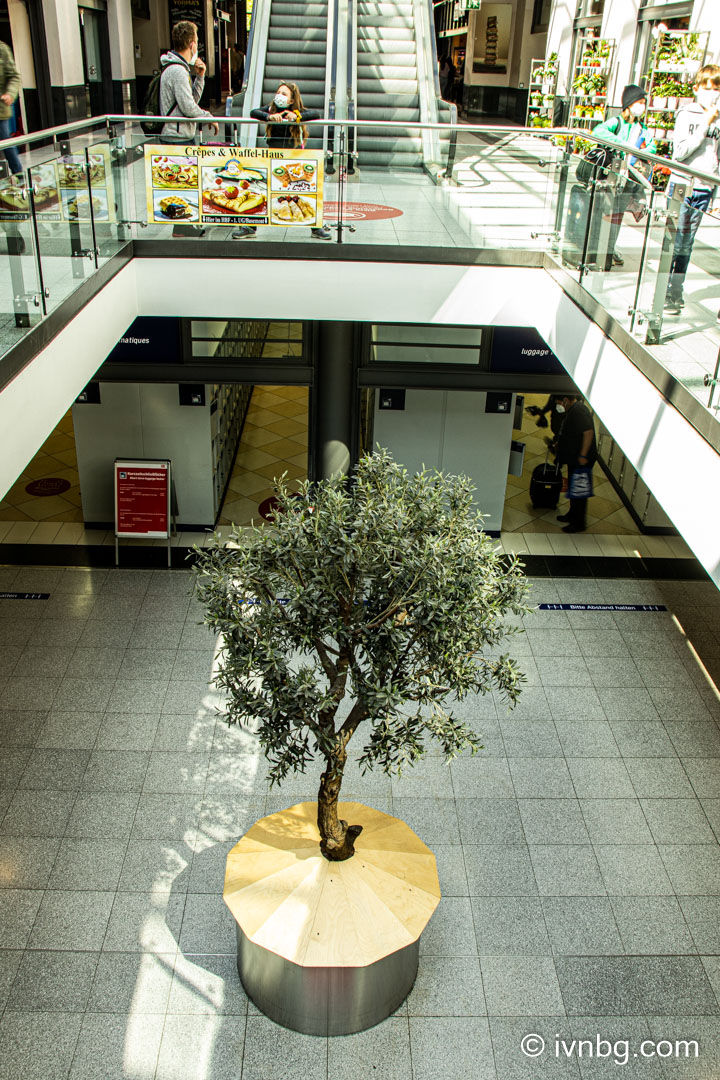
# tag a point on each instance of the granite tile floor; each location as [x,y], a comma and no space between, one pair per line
[578,852]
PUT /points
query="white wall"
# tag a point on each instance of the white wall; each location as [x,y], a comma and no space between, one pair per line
[450,431]
[39,396]
[620,24]
[559,40]
[120,32]
[62,35]
[145,421]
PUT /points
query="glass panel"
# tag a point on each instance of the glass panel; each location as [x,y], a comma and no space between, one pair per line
[65,237]
[20,290]
[439,345]
[110,197]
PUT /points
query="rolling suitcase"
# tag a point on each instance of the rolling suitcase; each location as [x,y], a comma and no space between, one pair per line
[545,486]
[576,221]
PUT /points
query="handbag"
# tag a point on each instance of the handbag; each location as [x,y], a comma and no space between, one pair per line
[595,163]
[580,485]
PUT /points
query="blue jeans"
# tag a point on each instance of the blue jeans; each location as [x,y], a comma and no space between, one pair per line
[689,221]
[11,155]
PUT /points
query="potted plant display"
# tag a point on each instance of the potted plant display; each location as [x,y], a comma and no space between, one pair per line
[372,605]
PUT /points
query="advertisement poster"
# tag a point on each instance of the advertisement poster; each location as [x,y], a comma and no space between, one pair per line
[142,499]
[60,189]
[228,185]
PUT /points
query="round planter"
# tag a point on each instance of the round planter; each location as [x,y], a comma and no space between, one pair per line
[329,948]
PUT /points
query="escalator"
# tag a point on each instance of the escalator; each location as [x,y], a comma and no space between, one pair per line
[290,40]
[367,60]
[297,51]
[387,83]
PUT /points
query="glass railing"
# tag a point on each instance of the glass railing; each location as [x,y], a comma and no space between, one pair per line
[89,189]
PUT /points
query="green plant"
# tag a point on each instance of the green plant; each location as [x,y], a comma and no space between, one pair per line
[381,588]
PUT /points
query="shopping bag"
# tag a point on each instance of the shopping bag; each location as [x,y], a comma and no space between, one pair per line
[580,486]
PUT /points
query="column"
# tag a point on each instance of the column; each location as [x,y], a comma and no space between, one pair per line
[122,56]
[64,53]
[335,398]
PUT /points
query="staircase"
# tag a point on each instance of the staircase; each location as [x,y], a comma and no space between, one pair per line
[297,50]
[387,83]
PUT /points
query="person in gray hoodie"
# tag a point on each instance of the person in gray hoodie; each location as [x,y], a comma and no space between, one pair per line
[696,143]
[180,92]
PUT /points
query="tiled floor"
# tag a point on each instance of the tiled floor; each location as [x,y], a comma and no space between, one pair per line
[56,458]
[274,441]
[578,852]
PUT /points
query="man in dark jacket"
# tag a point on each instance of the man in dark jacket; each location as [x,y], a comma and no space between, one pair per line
[10,85]
[576,449]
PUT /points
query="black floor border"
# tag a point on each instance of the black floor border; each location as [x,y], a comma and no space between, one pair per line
[549,566]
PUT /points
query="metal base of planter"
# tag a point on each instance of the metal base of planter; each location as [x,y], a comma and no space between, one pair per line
[325,1001]
[329,948]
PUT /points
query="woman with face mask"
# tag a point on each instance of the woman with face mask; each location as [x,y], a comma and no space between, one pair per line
[284,117]
[696,144]
[627,130]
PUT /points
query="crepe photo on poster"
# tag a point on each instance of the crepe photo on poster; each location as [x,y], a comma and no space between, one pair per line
[235,193]
[173,172]
[14,199]
[76,205]
[293,176]
[229,185]
[294,210]
[60,190]
[72,173]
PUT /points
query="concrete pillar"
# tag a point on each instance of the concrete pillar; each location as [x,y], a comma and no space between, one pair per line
[64,53]
[122,56]
[620,24]
[335,398]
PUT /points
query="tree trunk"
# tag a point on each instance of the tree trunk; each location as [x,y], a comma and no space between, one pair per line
[337,838]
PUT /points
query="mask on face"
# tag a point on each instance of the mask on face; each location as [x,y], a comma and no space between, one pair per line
[560,409]
[638,108]
[282,101]
[707,99]
[193,59]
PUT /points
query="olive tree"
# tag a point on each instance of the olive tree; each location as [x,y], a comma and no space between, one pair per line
[378,593]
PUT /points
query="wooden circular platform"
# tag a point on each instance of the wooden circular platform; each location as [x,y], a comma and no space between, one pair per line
[329,947]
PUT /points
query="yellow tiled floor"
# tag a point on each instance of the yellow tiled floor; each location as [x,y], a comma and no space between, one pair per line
[55,458]
[274,441]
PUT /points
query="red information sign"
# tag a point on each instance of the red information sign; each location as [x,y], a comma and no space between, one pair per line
[142,499]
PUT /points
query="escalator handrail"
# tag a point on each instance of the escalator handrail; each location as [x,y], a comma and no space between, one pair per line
[331,74]
[255,70]
[352,72]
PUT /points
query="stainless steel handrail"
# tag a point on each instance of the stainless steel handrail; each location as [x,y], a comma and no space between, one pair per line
[542,133]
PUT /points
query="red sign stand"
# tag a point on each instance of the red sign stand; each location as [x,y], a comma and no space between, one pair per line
[142,501]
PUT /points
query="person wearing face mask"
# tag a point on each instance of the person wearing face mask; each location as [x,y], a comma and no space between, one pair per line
[578,450]
[285,118]
[181,86]
[696,144]
[627,130]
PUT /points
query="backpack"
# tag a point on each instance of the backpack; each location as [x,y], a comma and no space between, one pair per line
[151,103]
[151,106]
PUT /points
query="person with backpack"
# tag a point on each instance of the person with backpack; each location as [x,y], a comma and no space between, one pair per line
[285,117]
[175,92]
[626,130]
